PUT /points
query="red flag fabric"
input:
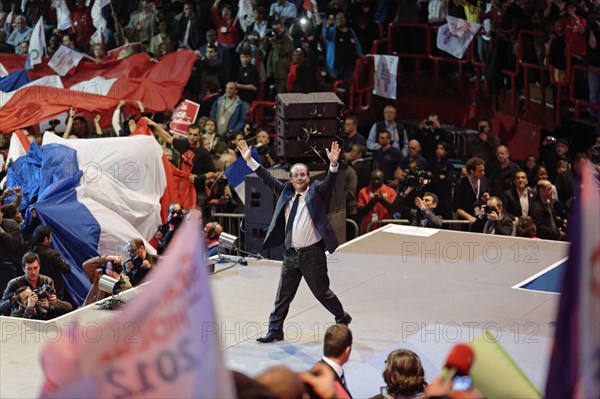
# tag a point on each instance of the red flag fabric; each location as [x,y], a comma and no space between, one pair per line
[179,188]
[158,85]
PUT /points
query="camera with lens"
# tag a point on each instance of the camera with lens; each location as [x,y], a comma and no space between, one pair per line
[117,267]
[489,209]
[44,292]
[414,177]
[271,33]
[136,261]
[429,125]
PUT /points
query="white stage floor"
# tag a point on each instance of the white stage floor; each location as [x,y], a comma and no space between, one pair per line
[403,290]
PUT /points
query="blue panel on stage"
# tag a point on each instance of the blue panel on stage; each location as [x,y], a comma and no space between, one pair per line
[551,281]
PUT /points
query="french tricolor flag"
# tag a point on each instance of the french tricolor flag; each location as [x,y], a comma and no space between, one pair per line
[96,194]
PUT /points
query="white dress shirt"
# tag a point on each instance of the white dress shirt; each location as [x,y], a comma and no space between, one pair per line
[304,232]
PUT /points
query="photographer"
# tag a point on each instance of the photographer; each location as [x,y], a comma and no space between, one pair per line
[165,231]
[410,184]
[32,279]
[98,266]
[39,304]
[424,216]
[483,145]
[493,220]
[140,261]
[429,134]
[375,201]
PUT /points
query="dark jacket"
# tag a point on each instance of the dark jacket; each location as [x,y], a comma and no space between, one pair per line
[337,378]
[316,202]
[512,203]
[13,285]
[53,266]
[543,219]
[503,226]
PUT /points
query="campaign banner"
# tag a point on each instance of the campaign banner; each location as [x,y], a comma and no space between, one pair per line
[184,115]
[455,36]
[386,72]
[64,60]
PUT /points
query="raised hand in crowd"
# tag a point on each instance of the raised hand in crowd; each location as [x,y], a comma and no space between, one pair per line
[334,153]
[245,150]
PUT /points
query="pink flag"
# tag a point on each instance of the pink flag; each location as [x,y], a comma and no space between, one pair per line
[159,350]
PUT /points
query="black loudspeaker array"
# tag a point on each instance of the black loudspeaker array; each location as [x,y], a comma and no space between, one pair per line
[306,125]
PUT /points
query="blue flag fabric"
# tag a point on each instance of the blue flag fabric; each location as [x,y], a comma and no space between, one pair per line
[14,81]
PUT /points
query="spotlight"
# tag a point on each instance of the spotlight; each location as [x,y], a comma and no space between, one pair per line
[228,241]
[110,285]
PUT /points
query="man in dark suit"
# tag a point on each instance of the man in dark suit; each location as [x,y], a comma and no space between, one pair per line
[542,212]
[493,220]
[300,223]
[518,198]
[337,346]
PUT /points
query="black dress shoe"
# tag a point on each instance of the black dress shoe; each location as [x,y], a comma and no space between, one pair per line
[346,319]
[271,337]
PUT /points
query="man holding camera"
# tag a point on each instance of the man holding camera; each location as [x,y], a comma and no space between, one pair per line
[424,216]
[94,270]
[51,264]
[32,279]
[279,46]
[39,304]
[493,220]
[485,143]
[140,261]
[165,231]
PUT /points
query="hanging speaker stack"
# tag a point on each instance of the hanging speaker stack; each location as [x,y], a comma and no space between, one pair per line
[306,125]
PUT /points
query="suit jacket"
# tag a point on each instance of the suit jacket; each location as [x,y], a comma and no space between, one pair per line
[338,381]
[316,202]
[543,220]
[512,203]
[503,227]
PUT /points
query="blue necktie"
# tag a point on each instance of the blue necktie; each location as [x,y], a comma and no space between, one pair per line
[290,223]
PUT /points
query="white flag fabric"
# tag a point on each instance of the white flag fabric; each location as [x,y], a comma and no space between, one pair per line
[3,71]
[63,15]
[64,60]
[455,36]
[169,355]
[386,72]
[245,15]
[37,45]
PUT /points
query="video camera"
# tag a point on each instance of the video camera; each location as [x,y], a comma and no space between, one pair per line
[414,177]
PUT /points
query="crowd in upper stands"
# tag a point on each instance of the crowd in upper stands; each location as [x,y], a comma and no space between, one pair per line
[391,172]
